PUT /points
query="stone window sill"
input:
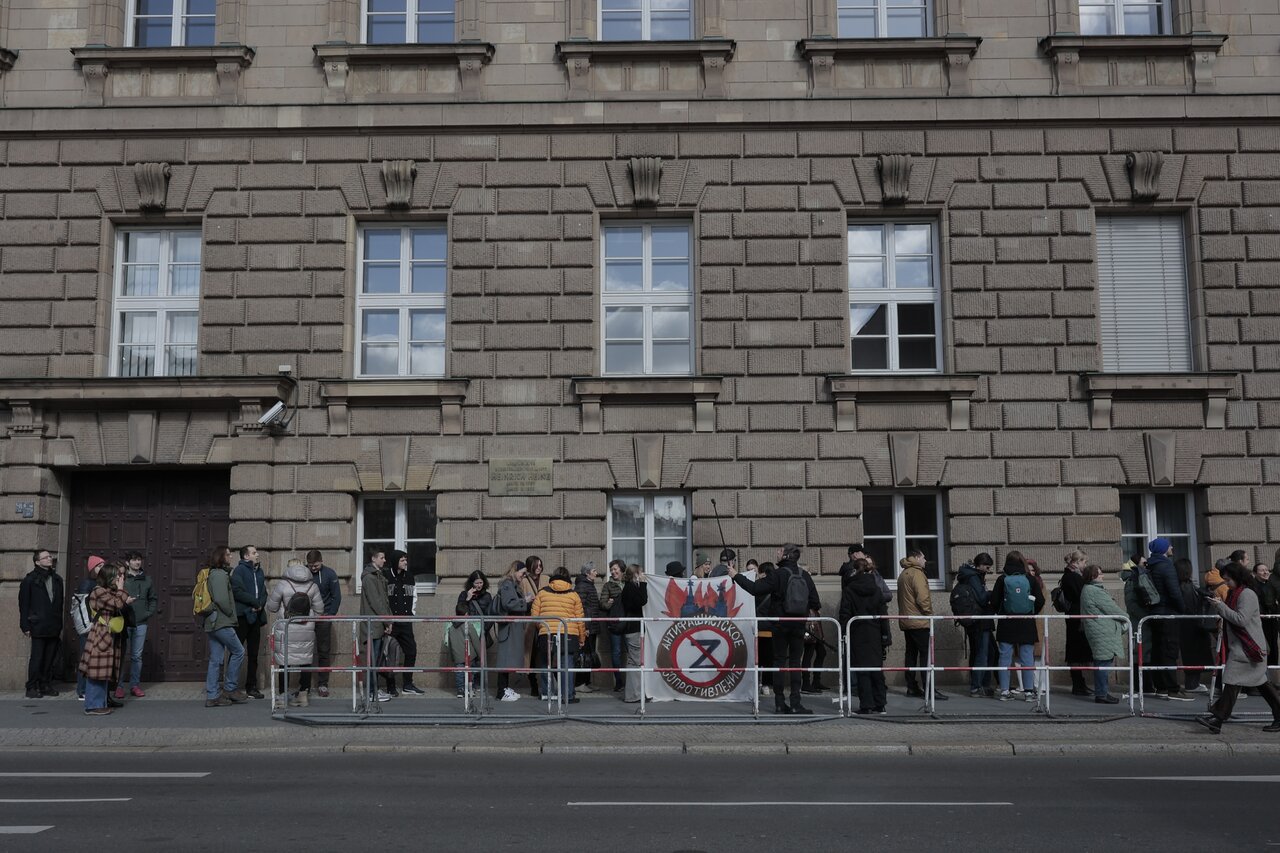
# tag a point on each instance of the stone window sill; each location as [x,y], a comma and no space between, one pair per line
[953,52]
[1212,388]
[701,391]
[954,389]
[711,54]
[1065,52]
[447,393]
[28,398]
[7,58]
[226,60]
[469,56]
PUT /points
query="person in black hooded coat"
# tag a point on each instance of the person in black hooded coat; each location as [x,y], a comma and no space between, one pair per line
[862,597]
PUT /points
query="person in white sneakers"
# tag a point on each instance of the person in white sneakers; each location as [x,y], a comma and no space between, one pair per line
[294,595]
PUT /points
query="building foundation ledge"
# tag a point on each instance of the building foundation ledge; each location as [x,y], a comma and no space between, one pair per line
[701,391]
[448,394]
[955,389]
[1212,388]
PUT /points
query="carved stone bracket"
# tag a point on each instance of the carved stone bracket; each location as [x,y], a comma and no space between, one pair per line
[712,53]
[397,179]
[338,58]
[646,176]
[152,180]
[1162,452]
[895,177]
[7,58]
[27,419]
[953,52]
[702,391]
[1144,174]
[226,60]
[904,458]
[648,450]
[1066,50]
[956,390]
[1212,388]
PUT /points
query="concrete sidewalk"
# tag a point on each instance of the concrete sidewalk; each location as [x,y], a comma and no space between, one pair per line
[173,717]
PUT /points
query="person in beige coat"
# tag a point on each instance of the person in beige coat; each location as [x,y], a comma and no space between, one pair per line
[1246,664]
[914,599]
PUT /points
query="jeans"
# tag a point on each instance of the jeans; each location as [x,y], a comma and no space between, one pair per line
[135,638]
[1026,653]
[1100,676]
[631,693]
[222,641]
[374,653]
[95,694]
[979,638]
[565,647]
[460,679]
[618,658]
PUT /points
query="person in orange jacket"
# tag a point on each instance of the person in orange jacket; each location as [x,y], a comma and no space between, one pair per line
[558,599]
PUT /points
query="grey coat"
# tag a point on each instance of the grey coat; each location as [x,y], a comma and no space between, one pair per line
[1239,670]
[373,602]
[1106,636]
[511,634]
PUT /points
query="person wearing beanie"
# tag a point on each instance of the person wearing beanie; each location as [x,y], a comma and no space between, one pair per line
[1164,632]
[914,599]
[727,559]
[675,569]
[40,618]
[847,571]
[92,565]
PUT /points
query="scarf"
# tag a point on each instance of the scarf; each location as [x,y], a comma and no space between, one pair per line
[1250,646]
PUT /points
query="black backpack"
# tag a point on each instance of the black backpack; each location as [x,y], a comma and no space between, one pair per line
[299,605]
[964,602]
[795,593]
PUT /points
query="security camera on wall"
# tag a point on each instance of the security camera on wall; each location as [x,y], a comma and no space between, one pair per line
[273,415]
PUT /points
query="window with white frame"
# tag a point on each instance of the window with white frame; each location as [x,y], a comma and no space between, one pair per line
[649,530]
[1147,515]
[408,21]
[898,522]
[1142,294]
[868,19]
[645,20]
[408,524]
[1124,17]
[400,306]
[647,299]
[171,23]
[156,310]
[893,297]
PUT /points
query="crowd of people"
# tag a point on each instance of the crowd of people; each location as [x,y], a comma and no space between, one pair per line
[585,622]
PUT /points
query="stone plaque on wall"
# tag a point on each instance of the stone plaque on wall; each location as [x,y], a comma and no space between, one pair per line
[512,477]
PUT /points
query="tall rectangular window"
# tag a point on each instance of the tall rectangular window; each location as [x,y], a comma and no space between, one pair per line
[647,299]
[649,530]
[893,297]
[868,19]
[646,20]
[155,316]
[1146,515]
[400,304]
[1142,294]
[171,23]
[1124,17]
[406,524]
[894,523]
[409,21]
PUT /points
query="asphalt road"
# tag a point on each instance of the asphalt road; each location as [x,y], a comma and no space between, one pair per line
[346,802]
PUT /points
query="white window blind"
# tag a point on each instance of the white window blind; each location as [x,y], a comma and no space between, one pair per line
[1142,294]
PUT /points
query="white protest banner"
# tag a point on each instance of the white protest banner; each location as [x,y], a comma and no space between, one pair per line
[705,645]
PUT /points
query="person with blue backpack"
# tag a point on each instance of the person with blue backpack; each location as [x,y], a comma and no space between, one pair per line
[1014,594]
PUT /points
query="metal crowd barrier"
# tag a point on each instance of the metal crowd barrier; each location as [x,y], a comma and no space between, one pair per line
[1041,669]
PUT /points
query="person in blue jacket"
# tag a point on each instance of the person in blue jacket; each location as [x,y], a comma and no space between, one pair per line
[331,593]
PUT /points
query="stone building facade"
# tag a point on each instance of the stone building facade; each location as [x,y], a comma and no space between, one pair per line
[1000,284]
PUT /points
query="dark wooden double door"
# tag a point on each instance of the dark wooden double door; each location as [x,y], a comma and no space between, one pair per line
[174,518]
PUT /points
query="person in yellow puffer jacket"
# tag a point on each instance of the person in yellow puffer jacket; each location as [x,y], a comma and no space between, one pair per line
[558,599]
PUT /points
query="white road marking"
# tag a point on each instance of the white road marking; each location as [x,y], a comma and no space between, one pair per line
[1189,778]
[774,803]
[68,800]
[103,775]
[22,830]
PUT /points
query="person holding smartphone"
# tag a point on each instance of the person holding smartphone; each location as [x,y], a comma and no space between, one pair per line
[1246,664]
[101,658]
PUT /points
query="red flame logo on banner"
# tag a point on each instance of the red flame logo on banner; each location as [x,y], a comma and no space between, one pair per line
[705,598]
